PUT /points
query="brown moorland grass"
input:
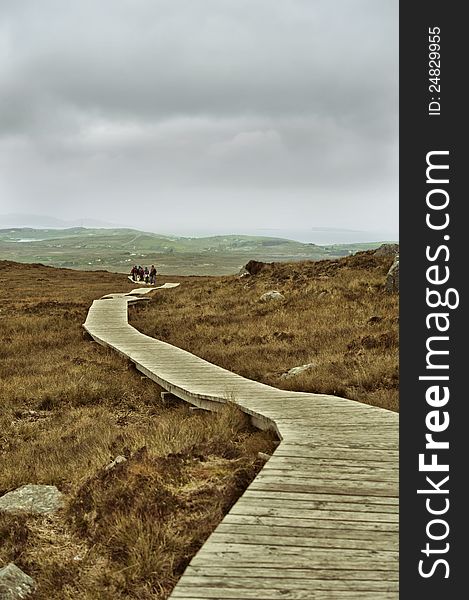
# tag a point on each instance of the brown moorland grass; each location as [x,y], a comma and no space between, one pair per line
[336,315]
[67,408]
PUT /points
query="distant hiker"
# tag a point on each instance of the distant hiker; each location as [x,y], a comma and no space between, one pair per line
[141,273]
[147,274]
[152,275]
[134,272]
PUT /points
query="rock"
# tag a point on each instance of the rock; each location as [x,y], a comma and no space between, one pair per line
[243,272]
[387,250]
[297,370]
[272,295]
[35,499]
[262,455]
[253,267]
[392,278]
[15,584]
[117,461]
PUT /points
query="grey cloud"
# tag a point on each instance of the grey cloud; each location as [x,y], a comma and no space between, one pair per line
[214,99]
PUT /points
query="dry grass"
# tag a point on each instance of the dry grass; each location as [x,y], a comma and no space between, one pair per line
[336,314]
[67,407]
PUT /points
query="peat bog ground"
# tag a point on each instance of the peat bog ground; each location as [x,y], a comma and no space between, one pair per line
[68,407]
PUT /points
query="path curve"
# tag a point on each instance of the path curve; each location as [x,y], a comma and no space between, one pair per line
[320,521]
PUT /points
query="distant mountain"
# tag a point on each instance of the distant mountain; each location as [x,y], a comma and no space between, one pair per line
[19,220]
[117,249]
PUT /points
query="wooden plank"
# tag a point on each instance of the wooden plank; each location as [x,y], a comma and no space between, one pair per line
[272,574]
[299,521]
[248,551]
[300,502]
[330,468]
[287,583]
[336,475]
[358,424]
[343,462]
[344,486]
[245,594]
[332,436]
[327,487]
[329,442]
[357,501]
[274,538]
[312,531]
[286,449]
[280,509]
[300,476]
[298,410]
[300,560]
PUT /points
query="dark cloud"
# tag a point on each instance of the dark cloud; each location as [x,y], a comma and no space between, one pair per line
[191,110]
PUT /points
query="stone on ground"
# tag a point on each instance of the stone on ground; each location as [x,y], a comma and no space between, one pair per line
[117,461]
[392,278]
[15,584]
[272,295]
[297,370]
[36,499]
[387,250]
[253,267]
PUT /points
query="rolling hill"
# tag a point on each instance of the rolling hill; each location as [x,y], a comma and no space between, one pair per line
[118,249]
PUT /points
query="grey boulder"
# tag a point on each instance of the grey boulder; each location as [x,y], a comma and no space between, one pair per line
[35,499]
[297,370]
[15,584]
[272,295]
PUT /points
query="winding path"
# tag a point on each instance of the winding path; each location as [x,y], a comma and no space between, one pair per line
[320,521]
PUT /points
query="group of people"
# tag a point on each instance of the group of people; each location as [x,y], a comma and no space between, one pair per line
[139,273]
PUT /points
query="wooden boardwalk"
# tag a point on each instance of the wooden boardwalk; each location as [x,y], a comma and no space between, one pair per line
[320,521]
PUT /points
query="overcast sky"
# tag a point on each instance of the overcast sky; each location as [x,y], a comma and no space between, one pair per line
[201,115]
